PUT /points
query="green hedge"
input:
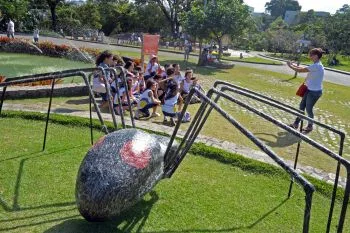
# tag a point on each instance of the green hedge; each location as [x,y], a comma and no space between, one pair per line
[197,149]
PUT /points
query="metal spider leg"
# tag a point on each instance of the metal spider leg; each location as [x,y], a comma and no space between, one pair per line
[198,123]
[289,109]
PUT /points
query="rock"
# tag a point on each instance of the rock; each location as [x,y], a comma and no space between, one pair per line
[118,171]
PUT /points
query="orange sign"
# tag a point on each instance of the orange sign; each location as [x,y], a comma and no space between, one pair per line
[150,44]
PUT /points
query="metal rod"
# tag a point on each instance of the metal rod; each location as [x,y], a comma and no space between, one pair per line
[218,82]
[335,187]
[98,111]
[120,107]
[109,98]
[246,133]
[90,111]
[198,114]
[2,97]
[345,205]
[48,113]
[307,211]
[340,133]
[296,160]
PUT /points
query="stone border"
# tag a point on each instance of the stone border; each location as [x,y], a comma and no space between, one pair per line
[67,90]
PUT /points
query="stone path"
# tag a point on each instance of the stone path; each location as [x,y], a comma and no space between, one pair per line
[228,146]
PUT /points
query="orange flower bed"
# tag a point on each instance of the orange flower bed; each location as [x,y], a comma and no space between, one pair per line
[2,79]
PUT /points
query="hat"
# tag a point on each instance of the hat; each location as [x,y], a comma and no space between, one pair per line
[153,56]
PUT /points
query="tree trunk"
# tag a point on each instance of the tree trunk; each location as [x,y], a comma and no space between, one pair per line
[53,18]
[220,48]
[200,58]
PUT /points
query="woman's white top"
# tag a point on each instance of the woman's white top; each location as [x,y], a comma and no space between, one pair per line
[315,77]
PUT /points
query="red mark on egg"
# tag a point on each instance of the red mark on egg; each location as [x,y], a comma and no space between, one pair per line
[139,159]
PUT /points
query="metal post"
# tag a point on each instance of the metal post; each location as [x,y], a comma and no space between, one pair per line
[90,97]
[307,211]
[296,160]
[104,127]
[48,113]
[345,203]
[120,107]
[2,97]
[335,187]
[109,99]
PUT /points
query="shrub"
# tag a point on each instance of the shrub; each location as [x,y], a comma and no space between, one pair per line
[2,79]
[48,48]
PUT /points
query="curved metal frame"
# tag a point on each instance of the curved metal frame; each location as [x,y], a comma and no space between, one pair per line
[199,120]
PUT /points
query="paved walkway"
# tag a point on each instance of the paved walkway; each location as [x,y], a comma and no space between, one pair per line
[228,146]
[330,76]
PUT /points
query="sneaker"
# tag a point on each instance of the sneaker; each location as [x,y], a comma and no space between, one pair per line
[294,126]
[307,130]
[155,114]
[172,122]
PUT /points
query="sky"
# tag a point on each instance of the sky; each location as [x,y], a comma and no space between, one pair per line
[318,5]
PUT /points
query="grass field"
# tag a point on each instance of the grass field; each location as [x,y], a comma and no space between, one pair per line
[253,60]
[344,61]
[15,64]
[37,191]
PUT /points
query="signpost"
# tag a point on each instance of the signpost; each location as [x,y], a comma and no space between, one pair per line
[150,45]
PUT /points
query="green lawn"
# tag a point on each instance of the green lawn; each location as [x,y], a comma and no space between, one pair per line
[253,60]
[344,61]
[204,195]
[16,64]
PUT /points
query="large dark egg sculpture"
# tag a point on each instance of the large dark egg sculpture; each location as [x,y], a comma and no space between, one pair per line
[118,171]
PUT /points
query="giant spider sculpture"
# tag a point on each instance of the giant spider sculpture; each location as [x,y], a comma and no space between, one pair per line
[122,166]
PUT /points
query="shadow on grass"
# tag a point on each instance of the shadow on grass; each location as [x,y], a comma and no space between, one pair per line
[15,205]
[135,219]
[283,139]
[66,110]
[78,101]
[132,220]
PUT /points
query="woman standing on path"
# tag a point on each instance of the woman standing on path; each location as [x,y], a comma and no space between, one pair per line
[314,85]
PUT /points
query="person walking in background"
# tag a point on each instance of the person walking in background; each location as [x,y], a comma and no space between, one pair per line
[314,85]
[11,29]
[36,35]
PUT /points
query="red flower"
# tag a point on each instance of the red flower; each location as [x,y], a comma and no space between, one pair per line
[138,159]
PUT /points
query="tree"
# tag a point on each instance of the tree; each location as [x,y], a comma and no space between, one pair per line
[337,31]
[52,5]
[217,19]
[12,9]
[171,10]
[194,24]
[279,7]
[118,17]
[89,15]
[151,19]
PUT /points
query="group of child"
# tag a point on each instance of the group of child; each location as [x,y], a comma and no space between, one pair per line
[157,87]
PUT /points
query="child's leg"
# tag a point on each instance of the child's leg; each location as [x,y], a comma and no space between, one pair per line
[154,109]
